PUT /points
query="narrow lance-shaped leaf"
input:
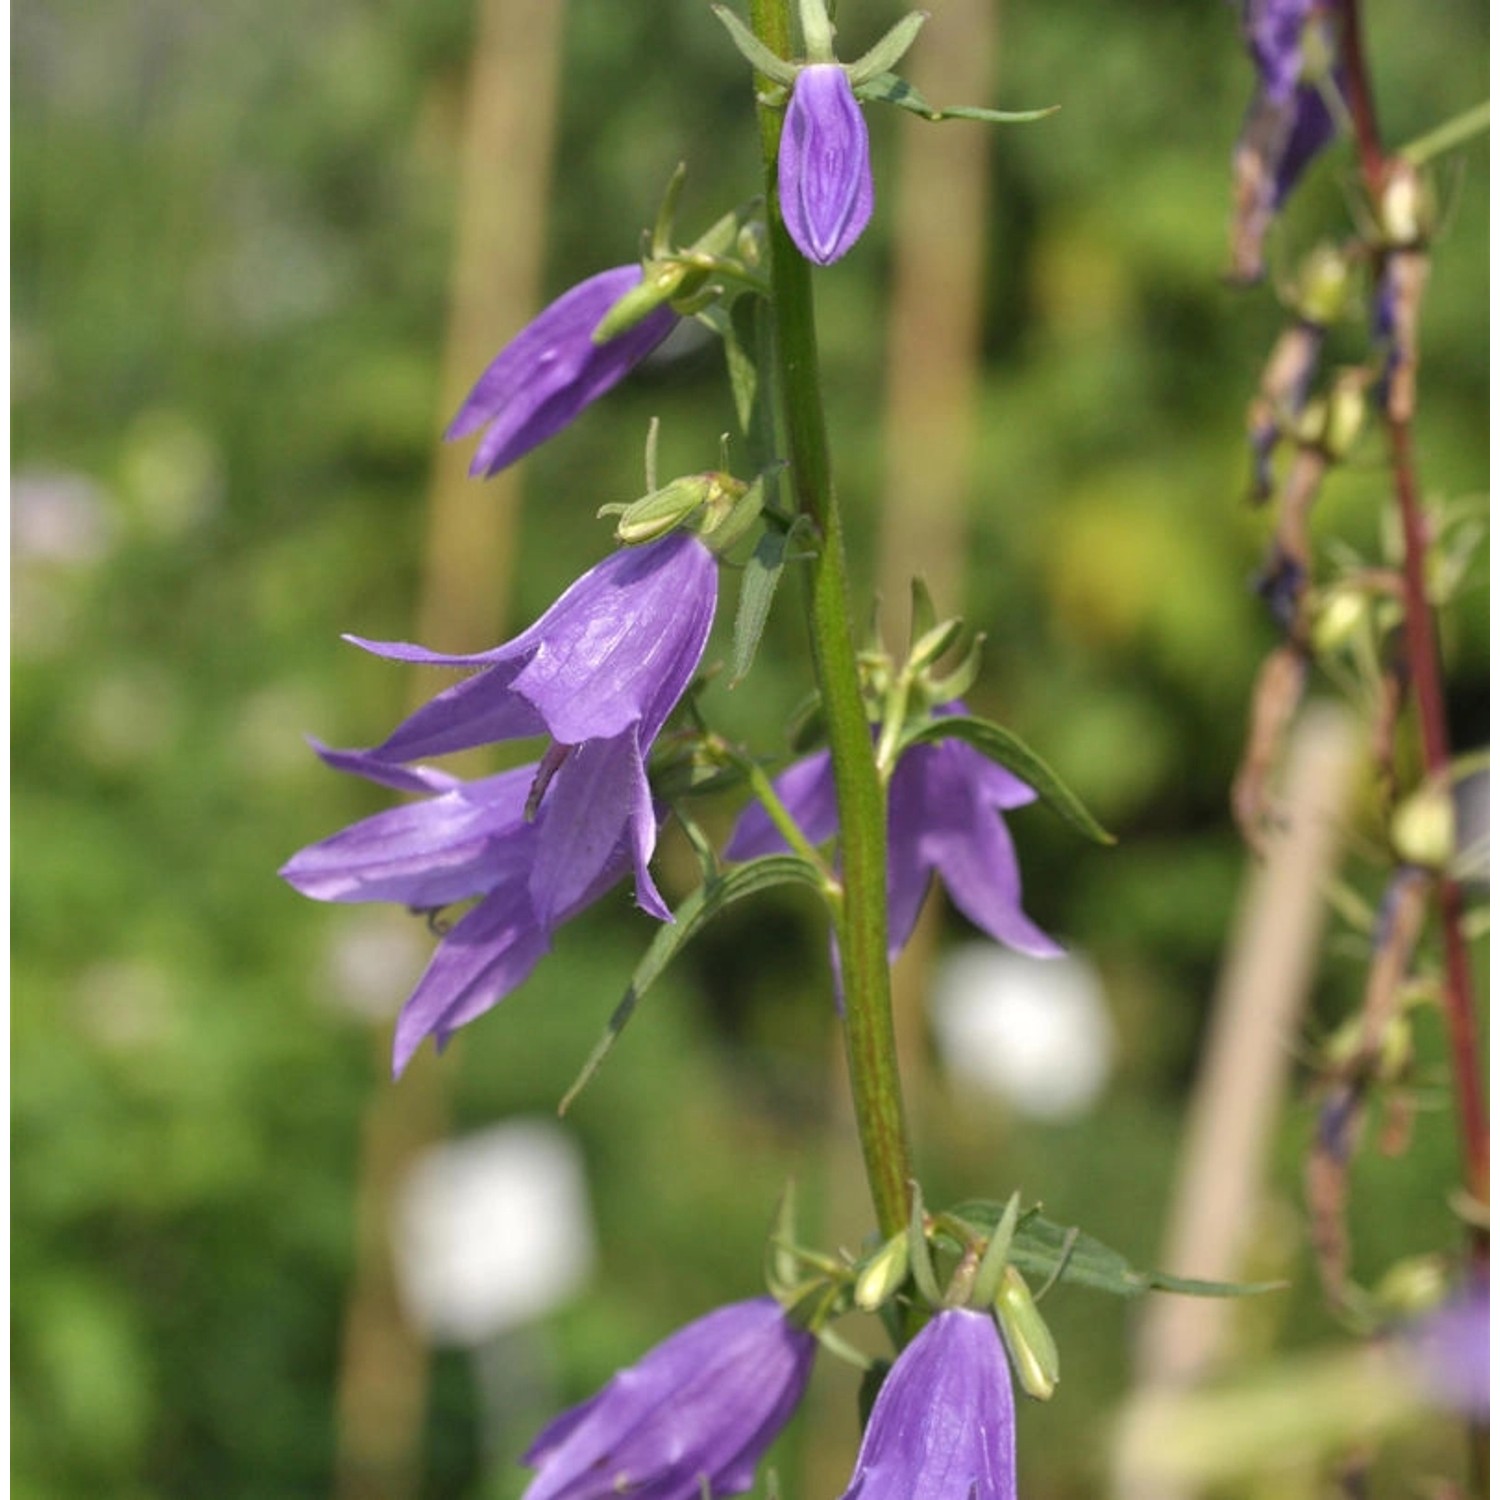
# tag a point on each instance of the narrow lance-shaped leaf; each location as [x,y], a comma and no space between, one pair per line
[758,585]
[1008,750]
[887,88]
[688,921]
[1039,1247]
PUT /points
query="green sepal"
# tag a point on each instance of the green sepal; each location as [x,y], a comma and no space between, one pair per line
[888,51]
[922,1269]
[695,913]
[1006,749]
[781,1263]
[753,50]
[996,1254]
[923,610]
[1039,1247]
[666,216]
[660,282]
[887,88]
[817,30]
[956,683]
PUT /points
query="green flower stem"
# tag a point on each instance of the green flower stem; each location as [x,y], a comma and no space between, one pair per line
[786,824]
[869,1034]
[1455,132]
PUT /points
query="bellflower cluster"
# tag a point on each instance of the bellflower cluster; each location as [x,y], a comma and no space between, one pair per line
[692,1418]
[823,169]
[1288,124]
[941,819]
[553,368]
[599,673]
[944,1424]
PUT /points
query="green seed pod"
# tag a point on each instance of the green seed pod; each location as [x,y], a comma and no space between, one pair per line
[1033,1351]
[1346,414]
[663,510]
[1324,281]
[1423,831]
[883,1274]
[1407,210]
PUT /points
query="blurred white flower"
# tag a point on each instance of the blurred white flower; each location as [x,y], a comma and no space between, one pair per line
[492,1231]
[1037,1035]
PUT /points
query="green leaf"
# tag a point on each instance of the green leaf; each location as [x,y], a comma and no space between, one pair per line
[1041,1247]
[757,589]
[887,88]
[1006,749]
[690,919]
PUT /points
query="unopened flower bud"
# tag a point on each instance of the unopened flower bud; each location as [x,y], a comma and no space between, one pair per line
[1395,1050]
[1033,1351]
[663,510]
[1423,827]
[1407,210]
[1413,1286]
[1346,414]
[935,643]
[883,1274]
[1341,615]
[1324,280]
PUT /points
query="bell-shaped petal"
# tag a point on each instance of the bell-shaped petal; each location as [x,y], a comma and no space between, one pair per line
[823,168]
[692,1418]
[944,1424]
[942,818]
[463,842]
[552,369]
[466,839]
[599,672]
[1287,125]
[489,952]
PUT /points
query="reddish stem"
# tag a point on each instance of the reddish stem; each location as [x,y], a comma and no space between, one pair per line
[1426,676]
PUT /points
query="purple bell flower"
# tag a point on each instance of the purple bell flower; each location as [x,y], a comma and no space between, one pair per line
[940,818]
[466,839]
[552,369]
[823,169]
[944,1424]
[1287,125]
[1452,1351]
[599,673]
[692,1418]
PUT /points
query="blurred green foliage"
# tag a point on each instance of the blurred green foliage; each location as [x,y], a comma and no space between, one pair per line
[231,246]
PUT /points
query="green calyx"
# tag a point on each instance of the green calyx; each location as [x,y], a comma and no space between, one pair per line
[729,252]
[817,42]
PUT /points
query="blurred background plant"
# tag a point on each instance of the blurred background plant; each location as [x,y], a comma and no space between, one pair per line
[234,234]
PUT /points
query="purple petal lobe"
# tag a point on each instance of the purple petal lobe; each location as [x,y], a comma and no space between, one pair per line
[476,966]
[806,791]
[695,1413]
[426,854]
[943,1425]
[823,166]
[552,369]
